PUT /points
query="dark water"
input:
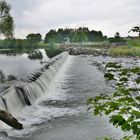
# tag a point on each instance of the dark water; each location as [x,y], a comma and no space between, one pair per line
[62,114]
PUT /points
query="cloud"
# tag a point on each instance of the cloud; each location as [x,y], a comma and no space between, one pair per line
[106,15]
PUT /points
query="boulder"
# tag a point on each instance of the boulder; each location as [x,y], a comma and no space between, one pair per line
[10,120]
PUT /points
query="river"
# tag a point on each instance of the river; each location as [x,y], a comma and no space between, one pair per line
[62,113]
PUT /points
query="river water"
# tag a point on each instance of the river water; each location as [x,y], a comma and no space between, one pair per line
[62,113]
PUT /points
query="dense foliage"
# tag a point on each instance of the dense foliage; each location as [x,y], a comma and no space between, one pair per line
[123,106]
[135,29]
[18,44]
[6,21]
[74,35]
[52,51]
[34,37]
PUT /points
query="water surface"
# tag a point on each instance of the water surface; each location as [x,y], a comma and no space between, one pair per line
[62,114]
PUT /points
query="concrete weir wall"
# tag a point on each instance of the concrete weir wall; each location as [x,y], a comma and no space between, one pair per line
[25,93]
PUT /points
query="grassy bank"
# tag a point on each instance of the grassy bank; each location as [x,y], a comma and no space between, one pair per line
[132,49]
[125,51]
[134,43]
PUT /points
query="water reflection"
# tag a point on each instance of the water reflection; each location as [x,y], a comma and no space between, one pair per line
[7,78]
[2,77]
[35,55]
[18,65]
[11,52]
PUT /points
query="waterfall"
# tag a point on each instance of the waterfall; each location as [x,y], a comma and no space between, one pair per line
[27,91]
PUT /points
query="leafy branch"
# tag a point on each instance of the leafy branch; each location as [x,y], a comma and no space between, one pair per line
[122,106]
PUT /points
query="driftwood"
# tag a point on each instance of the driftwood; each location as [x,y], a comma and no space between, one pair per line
[10,120]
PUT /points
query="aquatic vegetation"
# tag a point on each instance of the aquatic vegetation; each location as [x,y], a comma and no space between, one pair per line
[122,106]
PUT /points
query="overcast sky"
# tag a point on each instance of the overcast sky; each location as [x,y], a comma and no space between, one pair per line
[109,16]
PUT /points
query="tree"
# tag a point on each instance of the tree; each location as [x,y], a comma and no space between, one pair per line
[80,37]
[82,34]
[6,21]
[135,29]
[117,35]
[4,9]
[34,37]
[7,27]
[38,37]
[116,39]
[51,36]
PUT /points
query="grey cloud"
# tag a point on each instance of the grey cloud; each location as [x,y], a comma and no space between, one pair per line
[106,15]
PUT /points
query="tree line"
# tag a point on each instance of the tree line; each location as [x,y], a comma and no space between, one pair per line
[82,34]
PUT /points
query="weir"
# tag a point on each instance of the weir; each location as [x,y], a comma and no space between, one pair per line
[27,91]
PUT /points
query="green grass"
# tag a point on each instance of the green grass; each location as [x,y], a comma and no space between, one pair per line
[132,48]
[133,43]
[125,51]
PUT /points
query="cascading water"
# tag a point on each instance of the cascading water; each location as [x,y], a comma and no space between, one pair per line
[26,92]
[61,112]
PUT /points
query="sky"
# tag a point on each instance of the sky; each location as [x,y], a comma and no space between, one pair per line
[109,16]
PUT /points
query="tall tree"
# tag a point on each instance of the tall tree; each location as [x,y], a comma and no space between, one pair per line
[6,21]
[135,29]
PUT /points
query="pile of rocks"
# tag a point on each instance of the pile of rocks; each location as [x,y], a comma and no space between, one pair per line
[87,51]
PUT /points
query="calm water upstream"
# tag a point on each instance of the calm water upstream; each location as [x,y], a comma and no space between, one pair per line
[62,113]
[18,65]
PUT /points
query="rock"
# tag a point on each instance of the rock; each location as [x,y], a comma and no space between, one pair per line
[10,120]
[88,51]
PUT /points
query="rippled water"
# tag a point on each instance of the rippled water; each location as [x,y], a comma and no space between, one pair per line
[62,114]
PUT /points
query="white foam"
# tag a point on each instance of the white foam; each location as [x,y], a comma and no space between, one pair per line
[35,115]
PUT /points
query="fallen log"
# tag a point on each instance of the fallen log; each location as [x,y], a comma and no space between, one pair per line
[10,120]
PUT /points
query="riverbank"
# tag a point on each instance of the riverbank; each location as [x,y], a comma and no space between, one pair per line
[130,48]
[125,51]
[119,51]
